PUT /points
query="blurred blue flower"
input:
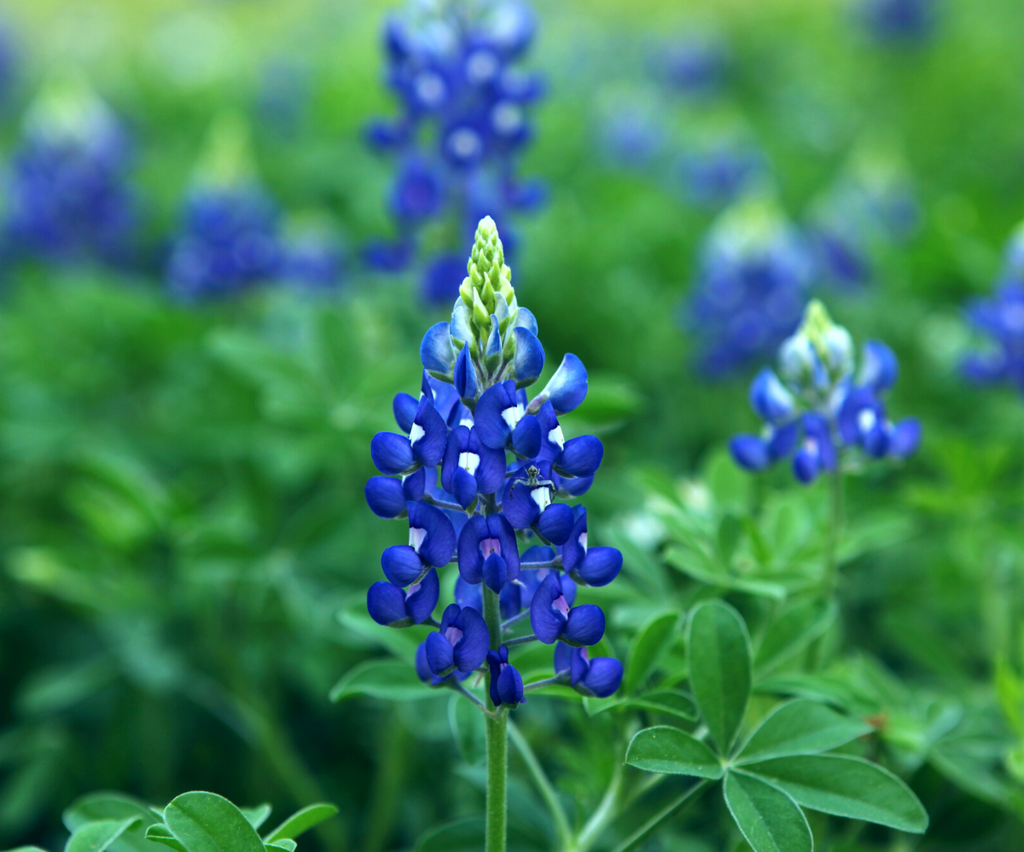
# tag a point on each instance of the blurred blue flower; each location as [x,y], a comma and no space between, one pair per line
[898,20]
[754,274]
[693,64]
[821,409]
[1001,318]
[714,175]
[464,121]
[68,196]
[312,260]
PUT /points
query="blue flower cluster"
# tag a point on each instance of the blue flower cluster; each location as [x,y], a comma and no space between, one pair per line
[229,238]
[464,101]
[1002,319]
[819,409]
[67,194]
[898,20]
[477,470]
[754,274]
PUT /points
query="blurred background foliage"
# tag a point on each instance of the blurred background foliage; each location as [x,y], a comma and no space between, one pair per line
[183,538]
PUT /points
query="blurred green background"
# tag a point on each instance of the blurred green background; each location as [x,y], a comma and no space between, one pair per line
[184,544]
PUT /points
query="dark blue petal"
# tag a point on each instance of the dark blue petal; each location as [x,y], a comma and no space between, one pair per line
[526,437]
[385,496]
[405,407]
[538,554]
[449,616]
[511,600]
[581,456]
[575,548]
[502,530]
[563,657]
[490,474]
[437,541]
[585,626]
[857,401]
[555,523]
[529,358]
[440,655]
[750,452]
[429,434]
[495,572]
[465,488]
[445,396]
[782,441]
[547,623]
[517,504]
[392,454]
[437,352]
[458,438]
[806,465]
[575,486]
[386,604]
[510,686]
[414,484]
[567,388]
[906,437]
[603,678]
[471,561]
[876,441]
[551,439]
[422,598]
[579,665]
[402,565]
[600,566]
[465,375]
[879,368]
[469,595]
[496,407]
[471,649]
[423,671]
[492,351]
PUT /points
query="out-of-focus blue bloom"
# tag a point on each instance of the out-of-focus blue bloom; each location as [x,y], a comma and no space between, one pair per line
[693,64]
[1001,319]
[719,173]
[898,20]
[506,682]
[821,408]
[68,197]
[312,260]
[464,120]
[632,128]
[597,678]
[754,274]
[476,461]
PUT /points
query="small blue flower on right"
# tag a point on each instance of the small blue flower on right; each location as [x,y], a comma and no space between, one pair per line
[1001,318]
[823,411]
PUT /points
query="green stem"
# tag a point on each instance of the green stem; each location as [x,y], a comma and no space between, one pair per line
[661,816]
[495,829]
[547,792]
[835,529]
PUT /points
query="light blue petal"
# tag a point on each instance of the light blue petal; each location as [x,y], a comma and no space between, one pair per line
[460,326]
[437,352]
[526,319]
[566,389]
[529,358]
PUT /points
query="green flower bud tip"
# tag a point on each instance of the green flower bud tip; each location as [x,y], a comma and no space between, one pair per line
[488,273]
[831,341]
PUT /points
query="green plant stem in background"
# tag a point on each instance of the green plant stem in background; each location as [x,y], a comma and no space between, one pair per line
[606,811]
[547,791]
[387,784]
[835,531]
[497,745]
[661,816]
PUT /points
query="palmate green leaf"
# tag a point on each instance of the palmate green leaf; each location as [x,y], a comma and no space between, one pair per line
[672,751]
[847,787]
[719,658]
[391,680]
[301,821]
[650,645]
[160,833]
[258,815]
[97,836]
[105,806]
[768,818]
[801,727]
[206,822]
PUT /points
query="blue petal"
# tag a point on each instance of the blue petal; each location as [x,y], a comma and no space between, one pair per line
[429,446]
[555,523]
[465,375]
[600,566]
[405,407]
[495,573]
[437,352]
[551,439]
[471,649]
[469,595]
[575,486]
[579,665]
[458,440]
[511,600]
[392,454]
[440,655]
[517,504]
[465,488]
[575,548]
[402,565]
[603,678]
[510,686]
[471,560]
[491,427]
[906,437]
[770,399]
[529,358]
[526,319]
[386,604]
[563,657]
[546,622]
[526,437]
[490,474]
[879,367]
[461,327]
[385,497]
[581,456]
[585,626]
[782,441]
[414,484]
[438,547]
[567,388]
[499,528]
[806,466]
[750,452]
[423,671]
[422,598]
[493,350]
